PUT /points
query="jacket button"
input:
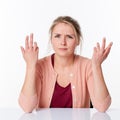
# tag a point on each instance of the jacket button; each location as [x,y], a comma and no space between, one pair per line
[73,87]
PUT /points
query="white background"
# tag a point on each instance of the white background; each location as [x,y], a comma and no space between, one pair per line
[18,18]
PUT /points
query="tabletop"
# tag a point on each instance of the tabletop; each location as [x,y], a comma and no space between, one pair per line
[59,114]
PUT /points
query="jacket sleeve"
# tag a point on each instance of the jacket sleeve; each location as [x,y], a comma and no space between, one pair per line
[103,105]
[28,103]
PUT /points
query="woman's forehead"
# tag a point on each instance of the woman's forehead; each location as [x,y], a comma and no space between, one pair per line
[63,27]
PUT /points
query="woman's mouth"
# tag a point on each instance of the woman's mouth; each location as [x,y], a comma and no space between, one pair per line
[63,49]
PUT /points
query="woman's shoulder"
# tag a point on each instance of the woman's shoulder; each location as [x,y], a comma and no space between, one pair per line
[43,63]
[83,61]
[82,58]
[44,59]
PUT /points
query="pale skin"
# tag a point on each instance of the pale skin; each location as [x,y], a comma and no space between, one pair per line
[100,53]
[64,43]
[30,55]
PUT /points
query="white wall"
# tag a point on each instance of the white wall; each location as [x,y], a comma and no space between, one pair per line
[98,19]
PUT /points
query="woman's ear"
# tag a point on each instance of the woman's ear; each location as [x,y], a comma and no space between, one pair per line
[78,42]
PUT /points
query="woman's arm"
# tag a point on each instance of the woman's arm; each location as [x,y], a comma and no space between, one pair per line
[28,95]
[99,86]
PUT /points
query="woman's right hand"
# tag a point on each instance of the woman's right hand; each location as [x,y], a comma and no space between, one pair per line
[30,52]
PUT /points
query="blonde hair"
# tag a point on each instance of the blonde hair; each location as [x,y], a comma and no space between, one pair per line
[70,21]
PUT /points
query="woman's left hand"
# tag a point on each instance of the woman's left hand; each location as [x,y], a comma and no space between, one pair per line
[100,53]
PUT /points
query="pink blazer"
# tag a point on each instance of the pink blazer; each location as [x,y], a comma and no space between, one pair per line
[81,86]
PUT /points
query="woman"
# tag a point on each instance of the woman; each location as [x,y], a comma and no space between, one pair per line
[64,79]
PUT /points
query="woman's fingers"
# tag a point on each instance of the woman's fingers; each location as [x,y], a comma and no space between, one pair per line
[103,43]
[101,47]
[27,42]
[30,52]
[35,46]
[101,52]
[107,50]
[31,41]
[98,46]
[22,50]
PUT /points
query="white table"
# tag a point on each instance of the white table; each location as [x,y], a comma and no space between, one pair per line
[59,114]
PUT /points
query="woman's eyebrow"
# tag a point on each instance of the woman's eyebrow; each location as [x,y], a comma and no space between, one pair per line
[66,34]
[56,33]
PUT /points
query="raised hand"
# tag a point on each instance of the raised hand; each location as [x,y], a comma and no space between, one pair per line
[100,53]
[30,52]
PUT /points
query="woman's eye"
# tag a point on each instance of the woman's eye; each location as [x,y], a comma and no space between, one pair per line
[57,36]
[70,36]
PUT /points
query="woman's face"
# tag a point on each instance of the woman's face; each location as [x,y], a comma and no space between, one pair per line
[63,39]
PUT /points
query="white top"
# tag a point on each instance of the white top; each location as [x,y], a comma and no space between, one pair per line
[59,114]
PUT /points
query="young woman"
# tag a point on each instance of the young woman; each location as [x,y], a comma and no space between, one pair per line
[64,79]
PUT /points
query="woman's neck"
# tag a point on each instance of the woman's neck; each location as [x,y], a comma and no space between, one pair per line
[63,62]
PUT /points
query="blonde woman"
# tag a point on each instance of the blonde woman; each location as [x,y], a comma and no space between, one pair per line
[64,79]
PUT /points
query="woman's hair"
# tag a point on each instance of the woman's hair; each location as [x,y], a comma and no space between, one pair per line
[70,21]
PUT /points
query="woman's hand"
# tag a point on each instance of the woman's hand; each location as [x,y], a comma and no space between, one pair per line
[30,52]
[100,53]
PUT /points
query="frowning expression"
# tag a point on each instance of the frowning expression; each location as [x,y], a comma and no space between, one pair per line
[63,39]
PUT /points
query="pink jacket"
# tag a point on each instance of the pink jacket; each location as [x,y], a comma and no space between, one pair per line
[81,86]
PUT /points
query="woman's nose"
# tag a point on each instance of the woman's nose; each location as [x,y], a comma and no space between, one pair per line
[63,40]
